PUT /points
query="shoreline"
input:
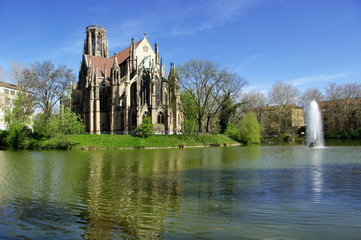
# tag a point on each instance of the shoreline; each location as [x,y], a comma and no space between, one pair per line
[149,148]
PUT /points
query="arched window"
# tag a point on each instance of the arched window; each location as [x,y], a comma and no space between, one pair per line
[103,100]
[93,44]
[160,118]
[98,43]
[133,94]
[133,119]
[157,92]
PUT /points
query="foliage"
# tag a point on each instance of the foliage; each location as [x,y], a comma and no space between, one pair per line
[17,135]
[145,129]
[343,134]
[64,125]
[228,108]
[248,131]
[92,141]
[18,119]
[254,101]
[209,86]
[3,135]
[189,110]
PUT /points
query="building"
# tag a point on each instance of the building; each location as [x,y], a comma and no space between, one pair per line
[281,119]
[114,94]
[8,94]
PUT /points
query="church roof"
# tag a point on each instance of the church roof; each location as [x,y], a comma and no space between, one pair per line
[107,63]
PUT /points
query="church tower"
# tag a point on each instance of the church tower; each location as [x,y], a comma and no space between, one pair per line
[95,43]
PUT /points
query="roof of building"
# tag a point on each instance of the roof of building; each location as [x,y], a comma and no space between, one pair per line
[107,63]
[8,85]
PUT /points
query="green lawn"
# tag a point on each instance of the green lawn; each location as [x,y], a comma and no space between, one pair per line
[86,141]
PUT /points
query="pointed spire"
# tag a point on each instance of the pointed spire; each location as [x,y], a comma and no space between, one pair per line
[115,63]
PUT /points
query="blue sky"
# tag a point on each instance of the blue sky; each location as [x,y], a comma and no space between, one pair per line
[308,43]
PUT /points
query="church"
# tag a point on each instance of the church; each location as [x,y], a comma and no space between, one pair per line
[114,94]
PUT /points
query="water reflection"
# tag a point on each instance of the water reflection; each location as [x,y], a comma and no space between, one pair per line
[316,156]
[288,192]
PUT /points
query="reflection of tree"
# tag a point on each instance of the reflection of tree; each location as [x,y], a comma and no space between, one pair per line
[131,195]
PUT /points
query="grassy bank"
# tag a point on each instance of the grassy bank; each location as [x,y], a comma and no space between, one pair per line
[87,141]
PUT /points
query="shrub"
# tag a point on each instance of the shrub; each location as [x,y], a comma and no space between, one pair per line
[145,129]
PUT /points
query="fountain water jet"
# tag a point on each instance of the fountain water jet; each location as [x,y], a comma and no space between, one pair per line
[314,126]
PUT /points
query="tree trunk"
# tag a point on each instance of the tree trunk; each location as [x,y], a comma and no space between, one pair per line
[200,125]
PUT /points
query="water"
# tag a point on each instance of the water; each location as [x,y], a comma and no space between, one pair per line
[206,193]
[314,126]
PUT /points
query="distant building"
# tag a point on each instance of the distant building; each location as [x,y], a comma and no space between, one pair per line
[8,94]
[277,119]
[114,94]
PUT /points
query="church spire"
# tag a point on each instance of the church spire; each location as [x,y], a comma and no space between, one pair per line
[115,63]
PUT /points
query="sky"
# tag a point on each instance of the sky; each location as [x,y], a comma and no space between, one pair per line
[307,43]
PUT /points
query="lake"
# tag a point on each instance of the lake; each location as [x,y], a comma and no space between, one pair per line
[261,192]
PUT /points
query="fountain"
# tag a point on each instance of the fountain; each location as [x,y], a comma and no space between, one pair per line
[314,126]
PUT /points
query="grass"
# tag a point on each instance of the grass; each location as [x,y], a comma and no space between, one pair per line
[88,141]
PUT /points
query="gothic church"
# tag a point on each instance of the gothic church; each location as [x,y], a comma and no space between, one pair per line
[114,94]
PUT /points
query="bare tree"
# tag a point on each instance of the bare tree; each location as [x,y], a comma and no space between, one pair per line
[309,95]
[2,74]
[48,84]
[209,86]
[343,108]
[255,101]
[283,97]
[17,74]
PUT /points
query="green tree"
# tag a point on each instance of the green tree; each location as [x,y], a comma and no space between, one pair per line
[65,124]
[250,131]
[145,129]
[228,109]
[190,113]
[18,118]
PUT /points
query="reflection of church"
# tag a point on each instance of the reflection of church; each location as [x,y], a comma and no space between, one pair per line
[115,93]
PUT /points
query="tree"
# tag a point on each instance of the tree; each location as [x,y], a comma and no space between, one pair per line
[228,109]
[18,119]
[145,129]
[64,124]
[343,108]
[209,86]
[247,131]
[2,74]
[250,131]
[48,84]
[189,110]
[283,97]
[309,95]
[254,101]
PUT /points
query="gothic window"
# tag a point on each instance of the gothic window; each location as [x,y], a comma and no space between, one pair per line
[144,94]
[103,100]
[98,43]
[133,94]
[133,119]
[93,44]
[160,118]
[157,92]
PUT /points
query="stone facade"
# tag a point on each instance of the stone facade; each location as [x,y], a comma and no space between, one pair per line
[115,93]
